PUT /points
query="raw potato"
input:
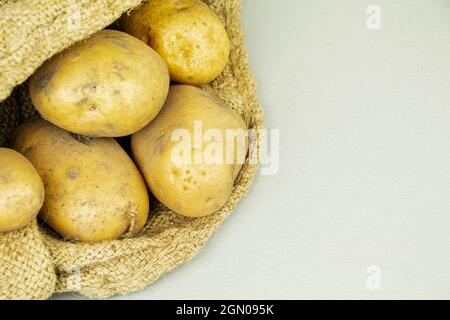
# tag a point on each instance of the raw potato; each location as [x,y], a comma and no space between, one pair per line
[187,34]
[93,189]
[190,187]
[109,85]
[21,191]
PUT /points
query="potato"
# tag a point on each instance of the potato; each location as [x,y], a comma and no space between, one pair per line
[94,191]
[21,191]
[187,34]
[185,156]
[109,85]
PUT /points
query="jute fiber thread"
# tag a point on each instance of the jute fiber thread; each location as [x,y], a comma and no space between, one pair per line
[34,262]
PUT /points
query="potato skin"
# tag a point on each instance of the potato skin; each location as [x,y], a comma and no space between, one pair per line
[21,191]
[187,34]
[109,85]
[94,191]
[191,188]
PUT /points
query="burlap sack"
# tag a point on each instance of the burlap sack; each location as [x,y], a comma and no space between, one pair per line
[34,263]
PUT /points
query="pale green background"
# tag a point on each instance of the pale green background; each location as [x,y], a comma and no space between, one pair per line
[364,173]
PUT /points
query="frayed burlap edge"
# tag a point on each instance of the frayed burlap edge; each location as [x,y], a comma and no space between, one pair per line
[168,240]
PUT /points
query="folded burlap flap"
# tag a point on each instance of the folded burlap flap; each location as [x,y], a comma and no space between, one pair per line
[34,263]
